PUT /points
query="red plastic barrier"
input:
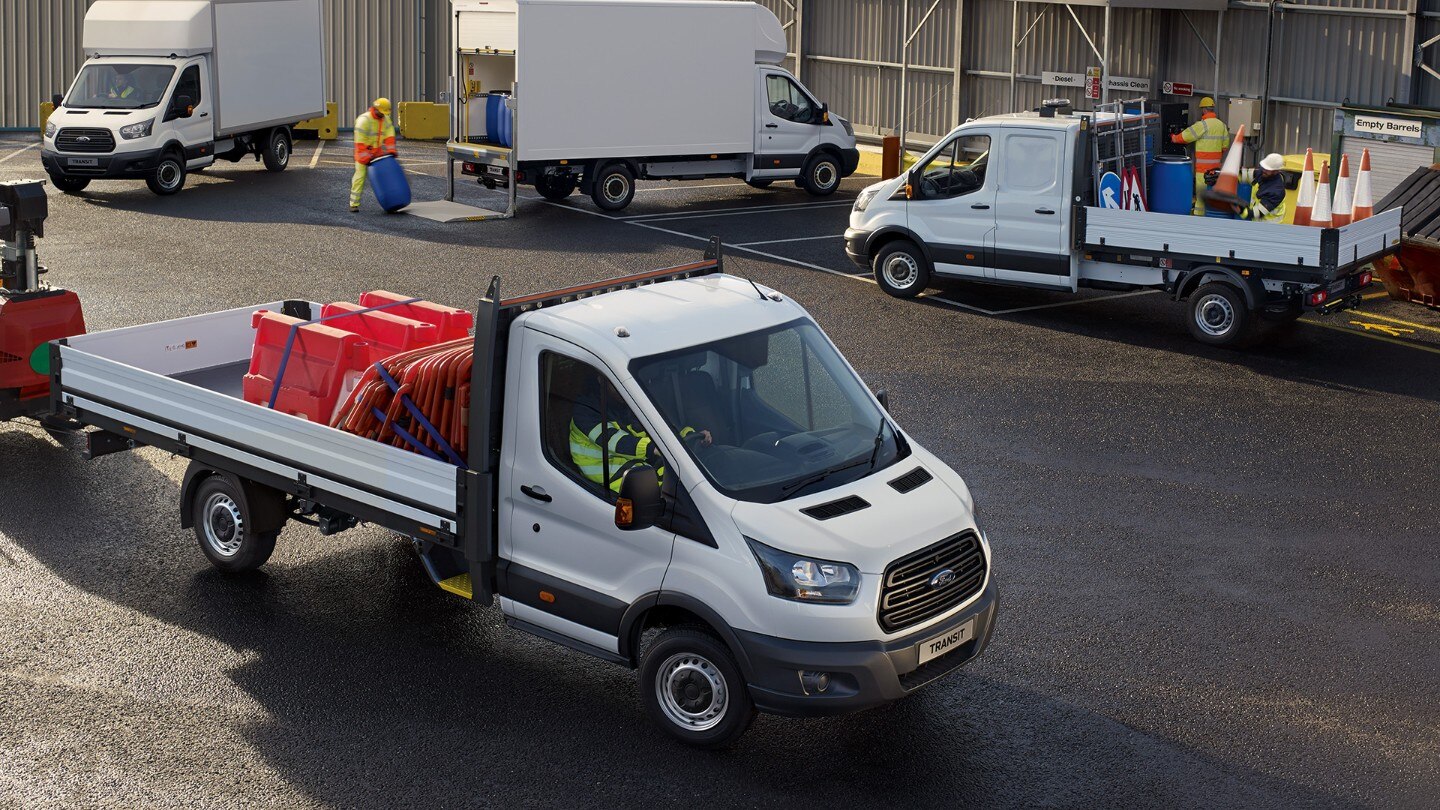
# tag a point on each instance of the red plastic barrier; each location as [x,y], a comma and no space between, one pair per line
[26,325]
[315,373]
[453,323]
[387,333]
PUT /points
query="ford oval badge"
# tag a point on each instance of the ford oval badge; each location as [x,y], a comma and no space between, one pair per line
[942,578]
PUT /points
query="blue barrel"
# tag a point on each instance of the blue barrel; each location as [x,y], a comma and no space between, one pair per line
[1242,191]
[387,180]
[494,103]
[1172,185]
[507,125]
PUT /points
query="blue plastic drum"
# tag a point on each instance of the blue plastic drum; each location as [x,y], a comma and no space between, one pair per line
[387,180]
[1172,185]
[494,103]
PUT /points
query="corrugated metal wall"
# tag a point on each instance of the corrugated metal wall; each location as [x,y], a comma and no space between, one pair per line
[1324,52]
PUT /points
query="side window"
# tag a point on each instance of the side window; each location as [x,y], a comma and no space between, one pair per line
[787,100]
[587,429]
[958,168]
[1031,163]
[189,85]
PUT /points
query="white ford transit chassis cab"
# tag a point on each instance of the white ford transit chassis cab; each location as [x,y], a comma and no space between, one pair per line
[171,86]
[792,548]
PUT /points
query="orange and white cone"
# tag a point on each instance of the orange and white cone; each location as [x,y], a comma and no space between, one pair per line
[1344,205]
[1226,191]
[1364,199]
[1320,214]
[1305,198]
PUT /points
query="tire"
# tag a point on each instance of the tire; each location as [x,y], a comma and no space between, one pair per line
[614,187]
[1219,316]
[822,175]
[169,175]
[901,269]
[221,512]
[759,183]
[277,150]
[69,185]
[692,688]
[555,187]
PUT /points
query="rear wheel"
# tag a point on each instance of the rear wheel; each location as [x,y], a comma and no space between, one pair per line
[822,175]
[277,150]
[693,689]
[901,269]
[555,186]
[1219,316]
[614,187]
[759,183]
[69,185]
[225,528]
[169,175]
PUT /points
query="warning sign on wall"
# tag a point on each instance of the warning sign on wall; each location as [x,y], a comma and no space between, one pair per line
[1092,83]
[1177,88]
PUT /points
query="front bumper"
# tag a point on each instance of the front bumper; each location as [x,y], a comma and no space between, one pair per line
[856,242]
[132,165]
[849,161]
[863,674]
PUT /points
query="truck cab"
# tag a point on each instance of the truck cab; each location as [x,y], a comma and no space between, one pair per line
[794,133]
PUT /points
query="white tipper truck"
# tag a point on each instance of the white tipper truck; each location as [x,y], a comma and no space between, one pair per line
[602,92]
[1011,199]
[170,86]
[784,546]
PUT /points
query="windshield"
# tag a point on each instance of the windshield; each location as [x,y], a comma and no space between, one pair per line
[113,86]
[771,415]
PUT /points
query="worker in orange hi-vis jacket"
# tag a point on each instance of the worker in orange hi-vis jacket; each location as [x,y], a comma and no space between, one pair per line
[374,136]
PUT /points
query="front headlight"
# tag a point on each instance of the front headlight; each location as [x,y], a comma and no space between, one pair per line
[802,579]
[50,129]
[863,201]
[140,130]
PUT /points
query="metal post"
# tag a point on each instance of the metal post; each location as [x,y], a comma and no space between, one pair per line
[1105,60]
[904,66]
[1014,48]
[799,39]
[1219,38]
[959,65]
[1265,89]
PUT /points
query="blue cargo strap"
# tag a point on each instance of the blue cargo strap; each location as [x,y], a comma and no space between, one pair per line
[295,330]
[420,418]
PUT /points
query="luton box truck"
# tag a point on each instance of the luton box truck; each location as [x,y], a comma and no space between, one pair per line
[780,544]
[171,86]
[594,94]
[1012,199]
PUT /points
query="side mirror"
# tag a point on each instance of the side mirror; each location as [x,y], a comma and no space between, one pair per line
[640,505]
[910,186]
[884,397]
[183,106]
[57,100]
[824,113]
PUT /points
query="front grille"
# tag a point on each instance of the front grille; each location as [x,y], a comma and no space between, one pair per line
[907,596]
[85,139]
[833,509]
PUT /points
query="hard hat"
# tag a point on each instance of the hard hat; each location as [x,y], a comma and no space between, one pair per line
[1207,102]
[382,104]
[1272,162]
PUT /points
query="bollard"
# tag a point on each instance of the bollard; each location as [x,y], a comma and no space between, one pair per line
[889,157]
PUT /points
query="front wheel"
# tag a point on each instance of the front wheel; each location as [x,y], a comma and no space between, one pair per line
[1219,316]
[821,176]
[169,175]
[759,183]
[225,527]
[614,187]
[69,185]
[693,689]
[277,150]
[901,269]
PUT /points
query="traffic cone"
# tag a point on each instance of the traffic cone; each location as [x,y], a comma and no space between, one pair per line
[1305,199]
[1226,191]
[1344,205]
[1320,214]
[1364,199]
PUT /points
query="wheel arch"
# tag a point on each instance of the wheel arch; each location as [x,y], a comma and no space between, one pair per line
[671,609]
[268,508]
[1206,273]
[594,167]
[893,233]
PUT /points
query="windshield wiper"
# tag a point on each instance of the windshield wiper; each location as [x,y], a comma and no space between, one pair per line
[879,442]
[817,477]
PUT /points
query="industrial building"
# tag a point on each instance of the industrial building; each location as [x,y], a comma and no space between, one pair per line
[1323,71]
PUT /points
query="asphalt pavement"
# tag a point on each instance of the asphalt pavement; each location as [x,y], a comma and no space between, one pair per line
[1218,569]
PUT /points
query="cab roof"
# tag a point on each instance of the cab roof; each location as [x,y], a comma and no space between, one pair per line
[664,317]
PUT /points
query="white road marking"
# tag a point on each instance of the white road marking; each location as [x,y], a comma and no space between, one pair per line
[796,239]
[19,151]
[743,209]
[315,158]
[707,215]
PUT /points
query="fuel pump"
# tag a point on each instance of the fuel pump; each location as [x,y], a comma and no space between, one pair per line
[32,313]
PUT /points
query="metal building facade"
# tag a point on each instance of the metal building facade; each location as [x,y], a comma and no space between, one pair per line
[956,57]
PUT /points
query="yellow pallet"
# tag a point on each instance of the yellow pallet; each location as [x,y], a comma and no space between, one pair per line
[327,127]
[423,121]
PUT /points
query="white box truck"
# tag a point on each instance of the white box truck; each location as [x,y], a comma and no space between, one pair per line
[170,86]
[597,93]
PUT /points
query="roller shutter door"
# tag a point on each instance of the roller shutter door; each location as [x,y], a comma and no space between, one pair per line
[1390,163]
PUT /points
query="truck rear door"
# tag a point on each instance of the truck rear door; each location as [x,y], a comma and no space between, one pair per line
[566,567]
[952,208]
[1032,222]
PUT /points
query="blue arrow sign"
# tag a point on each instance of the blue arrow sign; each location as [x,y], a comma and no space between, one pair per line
[1111,190]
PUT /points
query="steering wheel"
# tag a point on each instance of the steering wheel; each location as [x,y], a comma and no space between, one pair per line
[784,109]
[965,180]
[929,188]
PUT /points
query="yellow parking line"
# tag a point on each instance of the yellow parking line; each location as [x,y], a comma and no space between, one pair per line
[1373,296]
[1397,320]
[1407,343]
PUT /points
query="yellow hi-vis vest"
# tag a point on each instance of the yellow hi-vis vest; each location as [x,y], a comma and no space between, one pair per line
[1211,138]
[621,446]
[373,137]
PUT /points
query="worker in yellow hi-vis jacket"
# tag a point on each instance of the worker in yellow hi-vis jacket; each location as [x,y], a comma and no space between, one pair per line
[374,136]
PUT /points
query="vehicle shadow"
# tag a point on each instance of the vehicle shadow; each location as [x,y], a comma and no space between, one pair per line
[377,689]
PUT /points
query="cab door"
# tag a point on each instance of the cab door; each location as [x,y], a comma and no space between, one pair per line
[190,113]
[787,126]
[1032,222]
[952,204]
[566,568]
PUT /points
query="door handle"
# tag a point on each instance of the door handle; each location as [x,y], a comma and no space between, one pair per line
[772,126]
[980,207]
[538,493]
[1043,211]
[204,115]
